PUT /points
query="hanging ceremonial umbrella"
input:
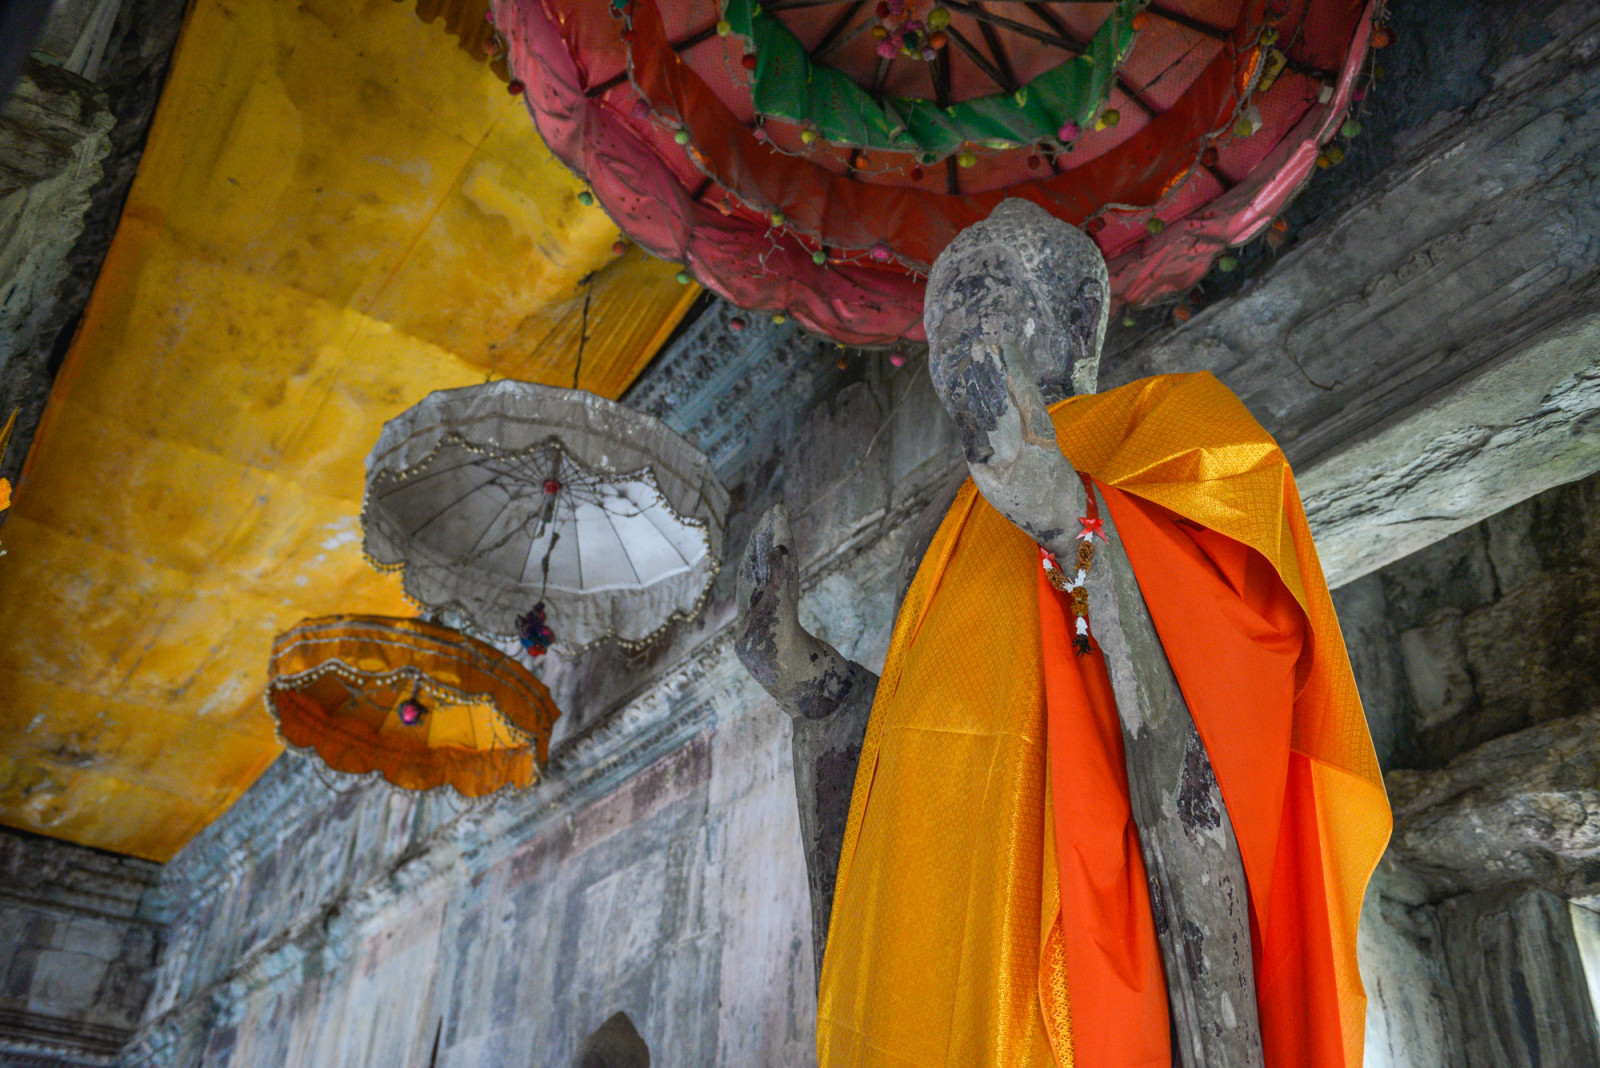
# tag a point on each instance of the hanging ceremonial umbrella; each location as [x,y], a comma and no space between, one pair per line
[814,156]
[512,504]
[417,703]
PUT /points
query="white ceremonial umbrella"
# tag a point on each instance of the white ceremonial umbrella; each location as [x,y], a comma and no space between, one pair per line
[493,498]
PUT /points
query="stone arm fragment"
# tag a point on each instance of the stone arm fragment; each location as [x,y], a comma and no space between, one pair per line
[827,696]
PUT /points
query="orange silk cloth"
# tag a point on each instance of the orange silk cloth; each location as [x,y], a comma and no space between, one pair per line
[991,906]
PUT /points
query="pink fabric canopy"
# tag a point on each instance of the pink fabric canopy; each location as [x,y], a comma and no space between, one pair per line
[1215,115]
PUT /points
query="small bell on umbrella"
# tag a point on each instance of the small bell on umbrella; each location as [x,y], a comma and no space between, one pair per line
[535,635]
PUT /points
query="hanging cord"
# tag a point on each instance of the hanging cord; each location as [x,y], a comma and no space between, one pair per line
[583,329]
[550,500]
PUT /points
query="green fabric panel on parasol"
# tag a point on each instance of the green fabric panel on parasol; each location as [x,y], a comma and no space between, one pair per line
[788,85]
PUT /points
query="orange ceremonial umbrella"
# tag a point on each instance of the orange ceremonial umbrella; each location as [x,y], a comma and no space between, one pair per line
[419,704]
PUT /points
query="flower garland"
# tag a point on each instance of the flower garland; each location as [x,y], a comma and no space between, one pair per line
[1075,585]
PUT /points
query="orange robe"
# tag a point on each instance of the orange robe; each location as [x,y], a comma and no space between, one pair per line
[991,906]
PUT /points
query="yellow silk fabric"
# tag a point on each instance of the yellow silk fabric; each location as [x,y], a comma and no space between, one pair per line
[941,949]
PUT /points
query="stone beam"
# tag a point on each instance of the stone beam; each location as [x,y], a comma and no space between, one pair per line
[1528,422]
[1427,356]
[1520,809]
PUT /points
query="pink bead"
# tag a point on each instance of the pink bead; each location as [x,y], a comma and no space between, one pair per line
[1068,131]
[736,324]
[898,359]
[887,49]
[641,110]
[880,252]
[761,134]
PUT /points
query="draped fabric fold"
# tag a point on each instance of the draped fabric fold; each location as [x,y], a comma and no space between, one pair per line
[991,905]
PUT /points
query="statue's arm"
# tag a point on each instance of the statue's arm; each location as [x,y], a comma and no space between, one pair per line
[809,678]
[827,696]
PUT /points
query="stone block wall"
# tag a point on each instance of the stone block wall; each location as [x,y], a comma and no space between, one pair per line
[1488,632]
[1476,661]
[77,957]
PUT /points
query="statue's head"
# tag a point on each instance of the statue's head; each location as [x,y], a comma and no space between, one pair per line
[1030,286]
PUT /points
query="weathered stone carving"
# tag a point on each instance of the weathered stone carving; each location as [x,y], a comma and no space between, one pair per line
[1016,314]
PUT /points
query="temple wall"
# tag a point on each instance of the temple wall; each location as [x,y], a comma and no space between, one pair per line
[1488,636]
[657,868]
[76,956]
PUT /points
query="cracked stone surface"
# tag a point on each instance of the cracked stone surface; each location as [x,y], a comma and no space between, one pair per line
[1524,808]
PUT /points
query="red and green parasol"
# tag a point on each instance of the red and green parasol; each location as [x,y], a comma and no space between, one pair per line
[812,157]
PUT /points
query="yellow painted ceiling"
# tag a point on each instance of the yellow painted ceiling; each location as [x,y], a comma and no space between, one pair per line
[339,210]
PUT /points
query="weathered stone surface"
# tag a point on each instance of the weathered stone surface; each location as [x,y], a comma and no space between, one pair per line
[1515,967]
[1413,1019]
[1380,675]
[1529,422]
[55,233]
[1487,632]
[48,114]
[1436,667]
[1426,355]
[827,697]
[1198,892]
[1524,808]
[77,957]
[1586,929]
[350,929]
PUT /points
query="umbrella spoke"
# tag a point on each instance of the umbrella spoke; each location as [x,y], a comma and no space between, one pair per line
[666,536]
[627,557]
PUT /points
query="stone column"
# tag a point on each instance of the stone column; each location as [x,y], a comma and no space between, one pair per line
[1519,980]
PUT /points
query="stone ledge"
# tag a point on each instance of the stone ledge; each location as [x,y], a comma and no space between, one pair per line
[1524,808]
